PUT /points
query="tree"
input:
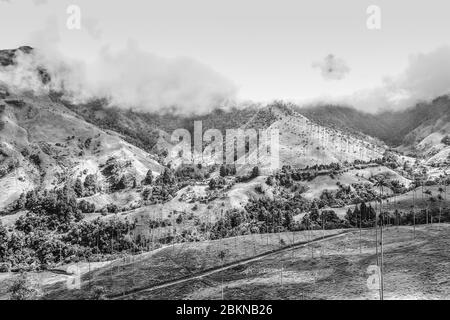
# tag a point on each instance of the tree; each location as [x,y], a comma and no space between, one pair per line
[51,210]
[349,215]
[86,206]
[167,177]
[223,171]
[440,198]
[31,199]
[90,184]
[148,178]
[364,211]
[212,184]
[446,140]
[255,172]
[352,216]
[78,188]
[112,208]
[3,241]
[381,183]
[125,181]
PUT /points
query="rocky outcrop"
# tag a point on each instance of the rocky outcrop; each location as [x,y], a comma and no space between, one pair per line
[8,58]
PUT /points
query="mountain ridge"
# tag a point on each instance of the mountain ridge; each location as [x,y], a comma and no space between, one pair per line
[393,127]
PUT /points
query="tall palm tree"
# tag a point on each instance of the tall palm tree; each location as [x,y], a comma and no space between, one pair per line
[376,229]
[416,184]
[381,183]
[431,200]
[360,231]
[440,190]
[429,194]
[422,179]
[445,187]
[426,221]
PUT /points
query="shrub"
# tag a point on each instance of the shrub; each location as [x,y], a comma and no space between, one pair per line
[86,206]
[23,289]
[446,140]
[112,208]
[255,172]
[148,178]
[259,188]
[35,159]
[98,293]
[5,267]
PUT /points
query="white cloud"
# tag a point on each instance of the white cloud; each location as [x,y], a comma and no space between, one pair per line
[426,77]
[92,26]
[332,68]
[129,78]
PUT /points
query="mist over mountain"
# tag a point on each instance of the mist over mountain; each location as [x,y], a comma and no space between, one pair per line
[393,127]
[128,78]
[176,105]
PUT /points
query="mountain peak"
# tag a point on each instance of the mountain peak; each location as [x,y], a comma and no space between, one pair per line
[7,56]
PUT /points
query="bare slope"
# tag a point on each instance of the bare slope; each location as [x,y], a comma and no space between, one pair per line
[44,144]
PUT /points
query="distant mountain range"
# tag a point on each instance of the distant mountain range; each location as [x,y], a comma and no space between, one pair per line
[396,128]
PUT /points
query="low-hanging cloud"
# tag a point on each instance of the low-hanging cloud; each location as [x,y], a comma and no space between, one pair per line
[332,68]
[92,26]
[426,77]
[128,78]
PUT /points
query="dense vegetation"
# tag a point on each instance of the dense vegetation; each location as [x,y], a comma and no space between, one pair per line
[53,232]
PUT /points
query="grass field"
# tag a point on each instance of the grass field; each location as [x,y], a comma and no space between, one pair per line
[413,269]
[174,262]
[253,268]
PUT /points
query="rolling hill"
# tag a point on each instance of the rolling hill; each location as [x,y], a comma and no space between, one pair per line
[413,130]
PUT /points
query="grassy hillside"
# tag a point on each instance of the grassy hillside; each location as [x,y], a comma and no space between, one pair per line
[178,261]
[44,145]
[332,269]
[413,270]
[143,129]
[389,126]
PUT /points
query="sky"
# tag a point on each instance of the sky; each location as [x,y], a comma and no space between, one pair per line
[251,50]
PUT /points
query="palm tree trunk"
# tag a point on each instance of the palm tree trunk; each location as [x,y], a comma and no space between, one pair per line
[376,234]
[323,232]
[440,213]
[426,211]
[381,244]
[360,232]
[381,265]
[414,213]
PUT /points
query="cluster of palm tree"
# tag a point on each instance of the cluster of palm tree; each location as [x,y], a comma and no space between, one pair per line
[418,182]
